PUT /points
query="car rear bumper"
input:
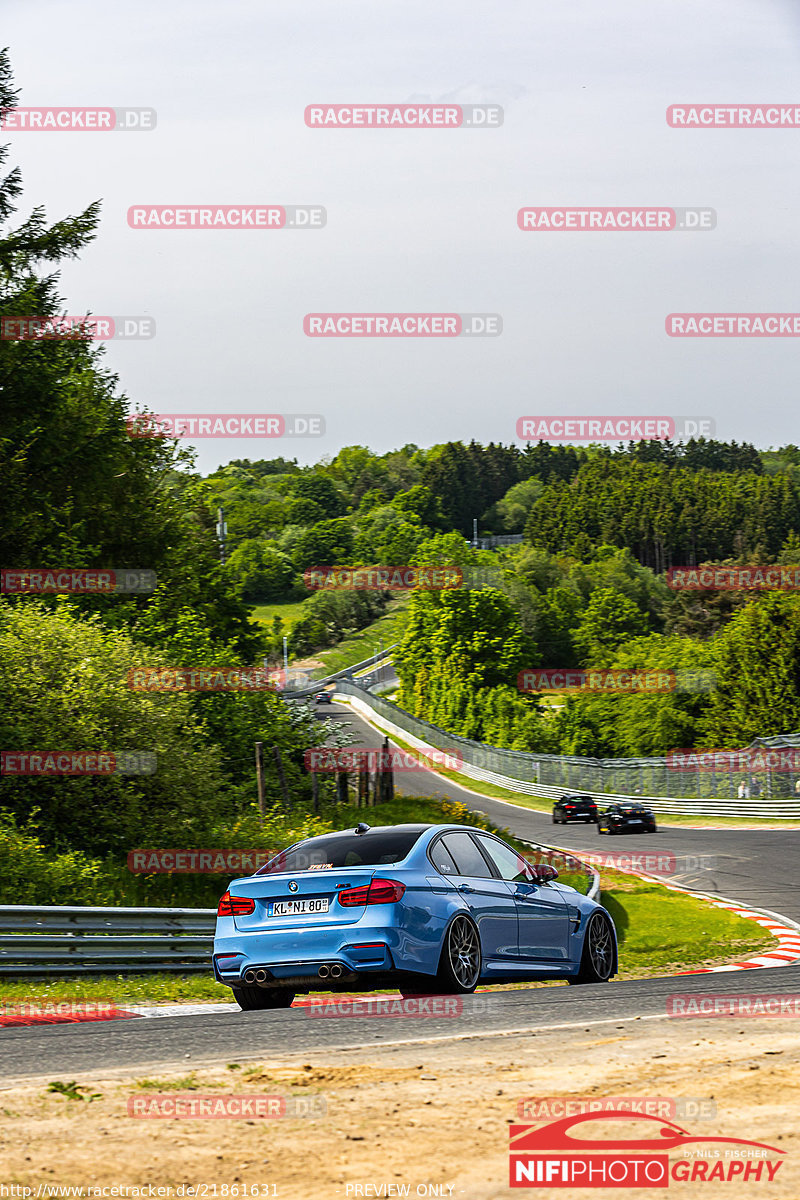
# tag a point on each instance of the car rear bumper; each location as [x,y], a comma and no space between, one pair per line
[298,956]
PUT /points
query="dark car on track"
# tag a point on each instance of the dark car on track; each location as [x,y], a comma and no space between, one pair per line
[324,698]
[626,818]
[574,808]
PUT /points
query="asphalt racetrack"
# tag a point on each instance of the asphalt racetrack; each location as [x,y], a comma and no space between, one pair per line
[754,867]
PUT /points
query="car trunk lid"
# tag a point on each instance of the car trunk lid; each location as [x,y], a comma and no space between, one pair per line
[301,898]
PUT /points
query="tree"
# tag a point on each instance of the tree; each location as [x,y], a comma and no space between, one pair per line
[79,490]
[260,571]
[757,662]
[608,620]
[322,490]
[326,544]
[64,686]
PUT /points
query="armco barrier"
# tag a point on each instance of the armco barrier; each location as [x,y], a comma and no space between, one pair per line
[345,673]
[649,780]
[61,940]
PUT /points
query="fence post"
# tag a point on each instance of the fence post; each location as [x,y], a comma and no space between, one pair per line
[282,778]
[260,779]
[363,786]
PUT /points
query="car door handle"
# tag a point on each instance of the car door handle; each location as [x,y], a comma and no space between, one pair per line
[465,887]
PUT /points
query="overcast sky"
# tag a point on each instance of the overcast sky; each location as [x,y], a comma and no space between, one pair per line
[425,220]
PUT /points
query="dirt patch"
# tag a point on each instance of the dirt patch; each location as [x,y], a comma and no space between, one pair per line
[434,1115]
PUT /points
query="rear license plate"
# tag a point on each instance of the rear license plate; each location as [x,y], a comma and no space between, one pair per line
[297,908]
[634,821]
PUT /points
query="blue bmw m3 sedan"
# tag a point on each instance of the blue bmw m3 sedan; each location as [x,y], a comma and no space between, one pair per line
[422,908]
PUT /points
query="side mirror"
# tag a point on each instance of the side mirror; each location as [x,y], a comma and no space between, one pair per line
[544,873]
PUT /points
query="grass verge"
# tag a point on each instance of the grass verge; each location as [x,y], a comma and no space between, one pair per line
[289,612]
[367,641]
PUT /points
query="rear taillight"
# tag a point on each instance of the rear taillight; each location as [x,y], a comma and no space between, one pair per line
[235,906]
[379,891]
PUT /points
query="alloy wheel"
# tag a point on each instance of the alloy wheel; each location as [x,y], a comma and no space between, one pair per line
[601,951]
[464,952]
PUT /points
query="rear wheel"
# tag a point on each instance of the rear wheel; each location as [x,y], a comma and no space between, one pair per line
[460,964]
[250,998]
[597,960]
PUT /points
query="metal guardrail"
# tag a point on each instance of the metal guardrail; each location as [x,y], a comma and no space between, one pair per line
[65,940]
[551,776]
[345,673]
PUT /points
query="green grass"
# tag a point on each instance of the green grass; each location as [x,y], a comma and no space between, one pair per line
[289,612]
[358,646]
[155,988]
[661,932]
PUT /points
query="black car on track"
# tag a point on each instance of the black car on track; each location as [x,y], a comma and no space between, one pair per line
[626,818]
[574,808]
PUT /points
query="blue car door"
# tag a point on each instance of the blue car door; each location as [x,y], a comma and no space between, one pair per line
[490,900]
[542,911]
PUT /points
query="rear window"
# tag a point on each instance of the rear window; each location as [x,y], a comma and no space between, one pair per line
[344,850]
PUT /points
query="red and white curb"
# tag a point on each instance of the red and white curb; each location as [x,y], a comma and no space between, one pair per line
[788,949]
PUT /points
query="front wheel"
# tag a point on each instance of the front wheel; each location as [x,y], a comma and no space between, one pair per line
[251,998]
[597,959]
[460,964]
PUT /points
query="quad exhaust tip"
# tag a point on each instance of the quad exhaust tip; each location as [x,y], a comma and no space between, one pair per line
[261,976]
[331,971]
[250,976]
